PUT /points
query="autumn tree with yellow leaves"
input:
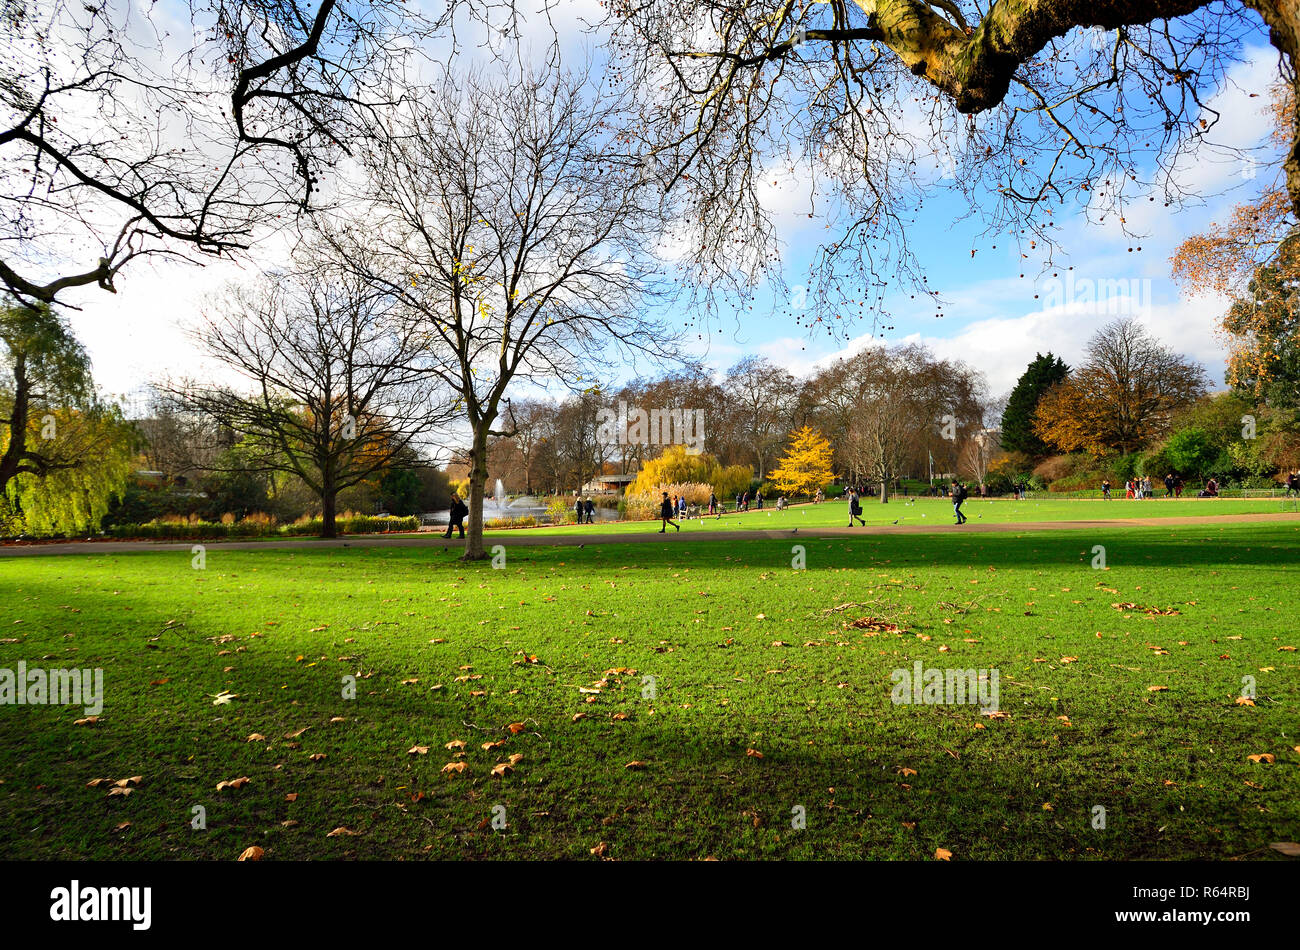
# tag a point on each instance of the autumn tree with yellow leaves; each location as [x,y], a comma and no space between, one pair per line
[806,465]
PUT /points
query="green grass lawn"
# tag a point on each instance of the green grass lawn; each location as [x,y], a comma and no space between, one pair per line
[938,512]
[746,654]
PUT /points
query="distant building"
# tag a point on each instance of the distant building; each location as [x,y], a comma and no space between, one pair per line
[608,484]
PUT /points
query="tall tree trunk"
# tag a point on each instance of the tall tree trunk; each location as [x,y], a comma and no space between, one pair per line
[17,447]
[474,550]
[884,491]
[328,502]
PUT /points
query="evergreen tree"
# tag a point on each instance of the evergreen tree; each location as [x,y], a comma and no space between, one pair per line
[1018,418]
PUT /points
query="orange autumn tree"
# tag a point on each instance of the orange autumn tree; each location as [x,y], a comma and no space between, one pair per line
[806,465]
[1255,258]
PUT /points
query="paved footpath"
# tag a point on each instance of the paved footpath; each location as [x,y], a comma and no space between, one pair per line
[524,537]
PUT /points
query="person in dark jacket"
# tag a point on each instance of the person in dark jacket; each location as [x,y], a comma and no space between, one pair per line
[855,509]
[591,511]
[666,513]
[958,496]
[456,517]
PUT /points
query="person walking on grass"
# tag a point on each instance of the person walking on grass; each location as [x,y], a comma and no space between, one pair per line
[591,511]
[666,514]
[456,517]
[855,508]
[958,496]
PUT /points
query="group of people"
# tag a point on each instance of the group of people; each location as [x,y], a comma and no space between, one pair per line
[585,510]
[1140,488]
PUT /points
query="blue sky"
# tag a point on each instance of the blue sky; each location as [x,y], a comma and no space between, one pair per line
[991,317]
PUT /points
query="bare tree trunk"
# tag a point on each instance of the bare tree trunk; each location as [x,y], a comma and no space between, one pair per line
[474,550]
[884,491]
[328,502]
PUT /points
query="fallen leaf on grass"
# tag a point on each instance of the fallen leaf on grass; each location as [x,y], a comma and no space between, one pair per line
[577,716]
[454,767]
[88,721]
[420,750]
[1289,848]
[1244,701]
[255,737]
[235,783]
[341,832]
[502,769]
[1157,689]
[636,764]
[455,744]
[317,756]
[251,854]
[516,728]
[753,753]
[943,854]
[1265,757]
[600,849]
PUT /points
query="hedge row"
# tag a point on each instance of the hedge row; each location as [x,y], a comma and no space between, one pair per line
[209,530]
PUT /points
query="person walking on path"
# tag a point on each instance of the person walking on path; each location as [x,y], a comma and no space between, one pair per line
[713,503]
[591,511]
[456,517]
[855,509]
[1169,485]
[958,496]
[1105,488]
[666,513]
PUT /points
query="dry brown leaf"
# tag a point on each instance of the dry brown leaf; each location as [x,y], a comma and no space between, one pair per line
[753,753]
[235,783]
[636,764]
[516,728]
[454,767]
[502,770]
[1265,757]
[255,737]
[418,750]
[600,849]
[943,854]
[253,853]
[343,832]
[1289,848]
[88,721]
[455,744]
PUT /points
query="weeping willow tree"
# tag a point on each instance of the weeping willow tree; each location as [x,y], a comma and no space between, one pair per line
[64,452]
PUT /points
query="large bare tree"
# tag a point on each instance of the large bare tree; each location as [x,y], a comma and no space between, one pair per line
[328,391]
[186,129]
[503,212]
[1024,107]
